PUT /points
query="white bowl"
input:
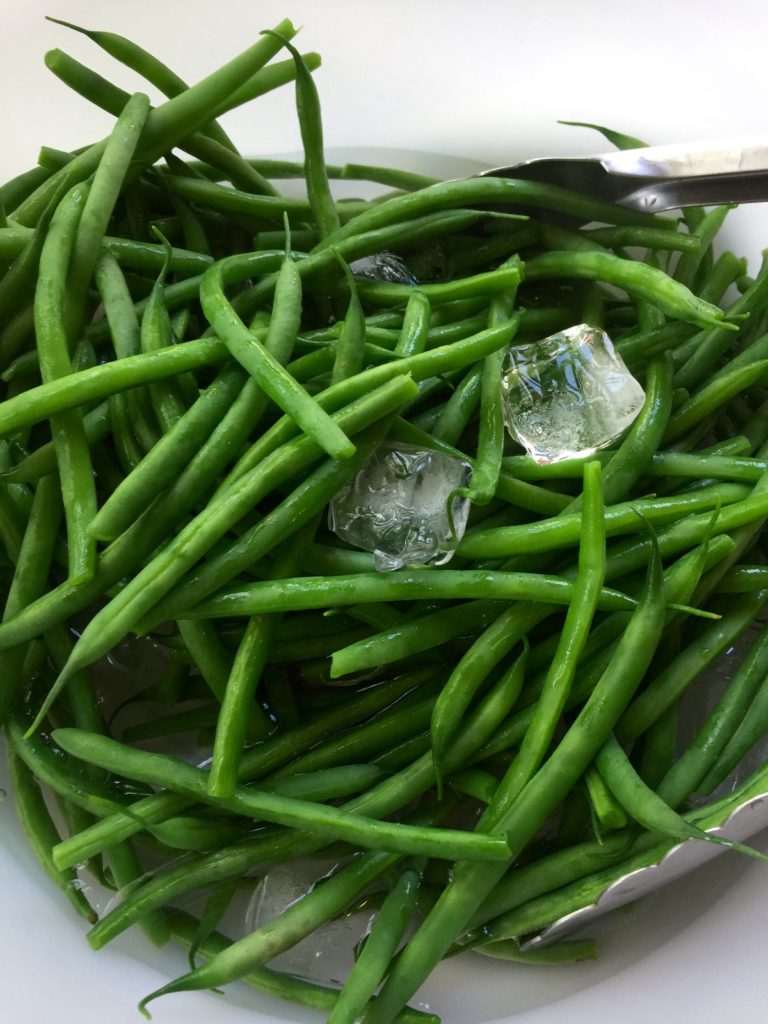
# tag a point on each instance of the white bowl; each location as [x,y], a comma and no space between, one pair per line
[486,82]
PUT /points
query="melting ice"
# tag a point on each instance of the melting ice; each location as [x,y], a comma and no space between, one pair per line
[397,506]
[568,395]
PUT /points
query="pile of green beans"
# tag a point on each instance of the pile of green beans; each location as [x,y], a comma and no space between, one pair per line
[192,366]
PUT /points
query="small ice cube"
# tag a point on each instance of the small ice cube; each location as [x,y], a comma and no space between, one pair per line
[325,956]
[397,506]
[383,266]
[568,395]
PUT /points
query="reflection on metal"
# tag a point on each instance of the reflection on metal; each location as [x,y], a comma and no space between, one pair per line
[746,820]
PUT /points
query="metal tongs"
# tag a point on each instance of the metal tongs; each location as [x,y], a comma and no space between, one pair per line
[659,178]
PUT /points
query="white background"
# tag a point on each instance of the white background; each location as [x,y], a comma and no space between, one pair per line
[485,79]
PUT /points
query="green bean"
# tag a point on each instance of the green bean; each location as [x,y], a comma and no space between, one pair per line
[272,377]
[72,453]
[98,382]
[157,578]
[651,238]
[157,334]
[99,204]
[414,332]
[705,231]
[617,139]
[712,396]
[15,191]
[563,531]
[637,278]
[189,720]
[127,448]
[607,812]
[385,798]
[559,680]
[474,782]
[469,886]
[644,438]
[303,593]
[32,567]
[209,654]
[726,270]
[258,761]
[637,347]
[168,124]
[350,348]
[742,579]
[696,465]
[660,741]
[502,191]
[327,783]
[275,983]
[458,410]
[714,343]
[647,807]
[125,330]
[380,947]
[303,239]
[176,775]
[252,654]
[125,869]
[571,951]
[407,181]
[17,285]
[380,293]
[720,730]
[311,127]
[644,852]
[11,525]
[135,57]
[490,439]
[285,931]
[41,834]
[750,730]
[168,457]
[420,366]
[231,200]
[669,684]
[401,723]
[63,776]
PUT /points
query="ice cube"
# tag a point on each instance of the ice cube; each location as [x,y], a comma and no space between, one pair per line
[383,266]
[568,395]
[327,955]
[397,506]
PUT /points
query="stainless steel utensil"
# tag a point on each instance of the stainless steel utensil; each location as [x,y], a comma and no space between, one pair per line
[659,177]
[744,821]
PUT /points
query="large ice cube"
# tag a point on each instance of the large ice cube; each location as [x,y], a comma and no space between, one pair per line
[568,395]
[397,506]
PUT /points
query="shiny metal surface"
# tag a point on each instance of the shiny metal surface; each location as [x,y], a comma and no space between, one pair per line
[744,821]
[660,178]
